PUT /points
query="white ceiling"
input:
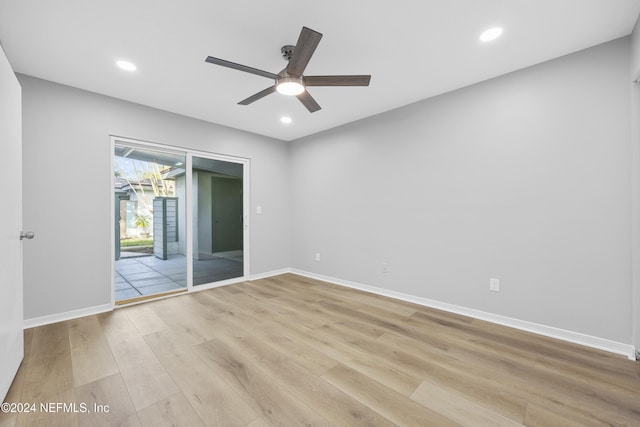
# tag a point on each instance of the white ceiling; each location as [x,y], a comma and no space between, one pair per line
[413,49]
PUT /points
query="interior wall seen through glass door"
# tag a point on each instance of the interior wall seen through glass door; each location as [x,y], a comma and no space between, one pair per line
[218,215]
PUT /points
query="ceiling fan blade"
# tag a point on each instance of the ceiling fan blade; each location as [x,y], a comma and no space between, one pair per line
[308,101]
[259,95]
[307,43]
[337,80]
[229,64]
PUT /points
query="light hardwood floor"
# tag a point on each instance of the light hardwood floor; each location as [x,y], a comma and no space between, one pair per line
[291,351]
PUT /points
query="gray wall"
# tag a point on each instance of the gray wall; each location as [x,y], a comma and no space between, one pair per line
[635,163]
[67,192]
[525,178]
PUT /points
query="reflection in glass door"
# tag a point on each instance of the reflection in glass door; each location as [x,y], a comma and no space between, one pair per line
[218,220]
[150,239]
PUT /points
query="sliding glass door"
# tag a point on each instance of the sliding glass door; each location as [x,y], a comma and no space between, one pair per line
[149,194]
[179,220]
[218,220]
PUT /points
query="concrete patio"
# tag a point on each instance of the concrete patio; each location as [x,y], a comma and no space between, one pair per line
[148,275]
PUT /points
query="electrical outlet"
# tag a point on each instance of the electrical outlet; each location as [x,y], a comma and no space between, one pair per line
[494,285]
[385,267]
[317,256]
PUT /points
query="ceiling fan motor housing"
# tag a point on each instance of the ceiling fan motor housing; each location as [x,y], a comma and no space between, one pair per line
[287,51]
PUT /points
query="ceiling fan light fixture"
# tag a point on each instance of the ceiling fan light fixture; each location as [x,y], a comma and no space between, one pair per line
[290,86]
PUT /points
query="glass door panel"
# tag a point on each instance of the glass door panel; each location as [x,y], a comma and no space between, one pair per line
[150,228]
[218,213]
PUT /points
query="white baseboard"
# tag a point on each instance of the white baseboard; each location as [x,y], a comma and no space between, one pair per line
[575,337]
[68,315]
[269,274]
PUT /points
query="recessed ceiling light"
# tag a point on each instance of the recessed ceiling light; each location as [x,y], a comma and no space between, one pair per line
[491,34]
[286,119]
[126,65]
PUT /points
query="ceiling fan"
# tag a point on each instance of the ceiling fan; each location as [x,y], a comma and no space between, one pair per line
[291,81]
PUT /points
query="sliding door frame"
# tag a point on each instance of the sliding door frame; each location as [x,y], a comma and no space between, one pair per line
[245,217]
[189,154]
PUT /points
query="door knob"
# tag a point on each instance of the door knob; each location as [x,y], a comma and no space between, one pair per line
[28,235]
